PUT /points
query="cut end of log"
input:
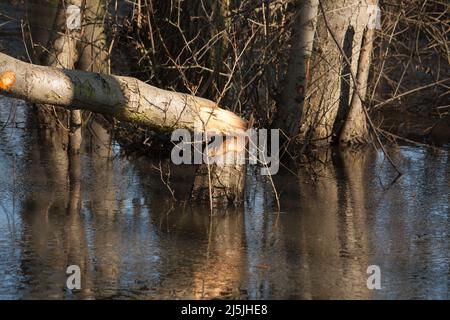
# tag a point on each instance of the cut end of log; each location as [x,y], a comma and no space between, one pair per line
[7,80]
[220,120]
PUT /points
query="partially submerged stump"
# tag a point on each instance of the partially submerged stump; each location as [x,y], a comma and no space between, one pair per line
[219,184]
[131,100]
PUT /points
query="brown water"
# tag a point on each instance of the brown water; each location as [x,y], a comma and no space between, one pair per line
[118,222]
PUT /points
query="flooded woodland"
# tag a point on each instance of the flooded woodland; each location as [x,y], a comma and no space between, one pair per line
[349,194]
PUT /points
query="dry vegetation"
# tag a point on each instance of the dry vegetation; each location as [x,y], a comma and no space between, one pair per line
[236,53]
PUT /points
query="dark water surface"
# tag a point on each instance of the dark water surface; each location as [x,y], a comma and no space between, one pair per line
[116,219]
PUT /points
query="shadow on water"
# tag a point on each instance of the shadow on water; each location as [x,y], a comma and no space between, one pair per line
[114,217]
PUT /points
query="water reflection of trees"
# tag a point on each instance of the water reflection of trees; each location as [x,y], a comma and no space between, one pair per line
[117,221]
[53,235]
[318,245]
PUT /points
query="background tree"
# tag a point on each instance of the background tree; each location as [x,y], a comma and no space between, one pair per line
[320,96]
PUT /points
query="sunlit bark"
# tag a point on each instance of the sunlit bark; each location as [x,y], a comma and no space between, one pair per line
[128,99]
[92,46]
[61,52]
[123,98]
[355,128]
[293,95]
[319,100]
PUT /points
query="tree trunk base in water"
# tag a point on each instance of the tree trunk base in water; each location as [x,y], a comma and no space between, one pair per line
[226,187]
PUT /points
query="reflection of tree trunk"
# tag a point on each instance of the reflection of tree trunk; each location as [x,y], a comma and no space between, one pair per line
[207,266]
[335,240]
[319,205]
[76,237]
[224,259]
[354,233]
[39,210]
[52,215]
[268,248]
[61,53]
[92,47]
[102,205]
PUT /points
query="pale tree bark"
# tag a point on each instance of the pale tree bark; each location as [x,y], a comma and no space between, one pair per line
[319,89]
[128,99]
[355,127]
[123,98]
[219,184]
[64,54]
[343,21]
[59,47]
[94,56]
[293,95]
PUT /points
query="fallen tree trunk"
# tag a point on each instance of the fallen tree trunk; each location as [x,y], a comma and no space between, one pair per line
[128,99]
[124,98]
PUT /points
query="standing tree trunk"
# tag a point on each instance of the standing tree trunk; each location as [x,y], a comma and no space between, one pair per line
[293,95]
[219,184]
[41,15]
[94,55]
[324,108]
[92,46]
[61,53]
